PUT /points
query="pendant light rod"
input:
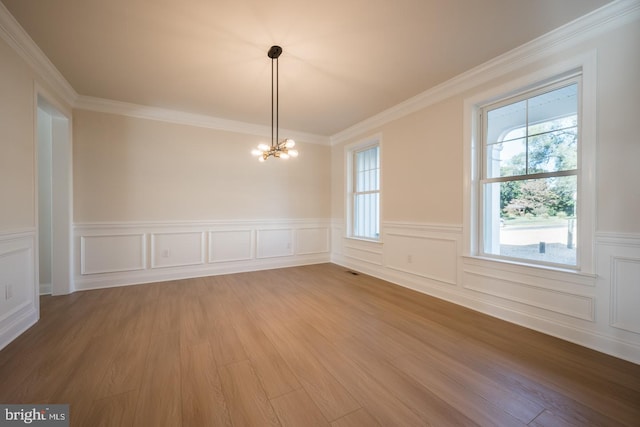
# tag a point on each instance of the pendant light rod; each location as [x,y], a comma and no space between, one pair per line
[274,53]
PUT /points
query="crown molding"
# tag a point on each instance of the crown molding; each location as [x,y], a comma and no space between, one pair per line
[18,39]
[601,20]
[102,105]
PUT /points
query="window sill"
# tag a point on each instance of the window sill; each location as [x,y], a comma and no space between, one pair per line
[364,239]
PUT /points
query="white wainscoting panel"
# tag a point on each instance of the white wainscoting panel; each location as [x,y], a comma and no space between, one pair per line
[597,311]
[177,249]
[618,264]
[111,253]
[625,294]
[431,257]
[230,245]
[273,243]
[312,241]
[19,292]
[579,306]
[115,254]
[16,278]
[363,251]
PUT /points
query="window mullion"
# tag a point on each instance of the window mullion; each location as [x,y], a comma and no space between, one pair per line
[531,176]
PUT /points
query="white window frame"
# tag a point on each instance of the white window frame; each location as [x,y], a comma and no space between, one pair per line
[350,152]
[584,65]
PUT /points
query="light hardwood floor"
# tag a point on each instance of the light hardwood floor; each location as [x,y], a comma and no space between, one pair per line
[305,346]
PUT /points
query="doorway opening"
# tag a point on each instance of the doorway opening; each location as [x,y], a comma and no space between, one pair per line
[54,199]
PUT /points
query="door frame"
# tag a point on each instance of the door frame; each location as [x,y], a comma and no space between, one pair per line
[62,192]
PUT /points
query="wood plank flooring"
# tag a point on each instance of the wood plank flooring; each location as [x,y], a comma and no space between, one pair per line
[305,346]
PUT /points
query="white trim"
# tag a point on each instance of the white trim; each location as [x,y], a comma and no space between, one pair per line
[327,241]
[615,320]
[20,41]
[223,223]
[198,120]
[290,250]
[83,254]
[177,264]
[62,188]
[606,18]
[146,271]
[19,318]
[45,288]
[371,141]
[419,226]
[206,270]
[618,239]
[590,316]
[16,37]
[534,271]
[587,64]
[251,250]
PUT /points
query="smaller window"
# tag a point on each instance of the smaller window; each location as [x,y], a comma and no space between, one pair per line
[364,191]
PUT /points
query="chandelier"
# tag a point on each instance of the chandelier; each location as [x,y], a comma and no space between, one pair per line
[280,149]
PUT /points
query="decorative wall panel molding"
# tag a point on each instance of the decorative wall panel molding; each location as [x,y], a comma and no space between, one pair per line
[568,304]
[115,254]
[19,290]
[272,243]
[112,253]
[363,251]
[430,257]
[312,241]
[231,245]
[177,249]
[625,293]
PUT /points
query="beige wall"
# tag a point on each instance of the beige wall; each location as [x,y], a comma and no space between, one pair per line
[422,181]
[422,163]
[618,152]
[16,142]
[130,169]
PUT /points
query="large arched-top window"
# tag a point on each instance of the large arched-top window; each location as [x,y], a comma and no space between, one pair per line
[529,175]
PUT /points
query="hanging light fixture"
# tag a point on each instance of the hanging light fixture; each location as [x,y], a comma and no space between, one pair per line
[280,149]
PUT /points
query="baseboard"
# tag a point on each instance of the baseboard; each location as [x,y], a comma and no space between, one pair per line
[18,324]
[45,288]
[151,276]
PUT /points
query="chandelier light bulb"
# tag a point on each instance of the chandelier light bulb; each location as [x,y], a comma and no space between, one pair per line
[256,152]
[263,147]
[284,155]
[261,159]
[289,143]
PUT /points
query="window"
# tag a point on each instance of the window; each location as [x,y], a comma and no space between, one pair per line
[529,176]
[364,190]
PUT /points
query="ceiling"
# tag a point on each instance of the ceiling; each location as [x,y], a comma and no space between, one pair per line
[343,60]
